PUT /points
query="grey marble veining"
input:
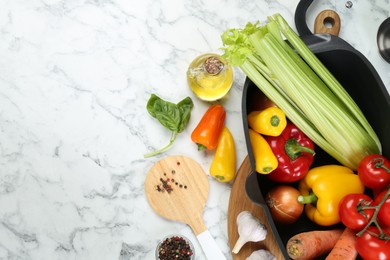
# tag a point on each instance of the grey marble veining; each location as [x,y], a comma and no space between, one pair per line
[75,77]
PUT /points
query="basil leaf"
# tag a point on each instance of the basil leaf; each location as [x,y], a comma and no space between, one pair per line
[167,113]
[150,105]
[185,107]
[175,117]
[170,118]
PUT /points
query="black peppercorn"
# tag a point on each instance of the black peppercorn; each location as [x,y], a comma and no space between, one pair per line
[174,247]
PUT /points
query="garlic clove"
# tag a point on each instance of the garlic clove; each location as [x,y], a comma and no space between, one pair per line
[261,255]
[239,244]
[250,229]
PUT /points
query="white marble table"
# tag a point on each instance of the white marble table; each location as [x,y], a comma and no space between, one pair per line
[75,77]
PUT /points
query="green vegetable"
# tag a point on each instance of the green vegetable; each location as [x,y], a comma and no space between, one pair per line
[175,117]
[298,83]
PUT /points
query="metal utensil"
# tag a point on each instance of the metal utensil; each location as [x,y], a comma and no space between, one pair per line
[383,39]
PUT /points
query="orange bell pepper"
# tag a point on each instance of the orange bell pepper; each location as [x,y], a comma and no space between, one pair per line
[207,132]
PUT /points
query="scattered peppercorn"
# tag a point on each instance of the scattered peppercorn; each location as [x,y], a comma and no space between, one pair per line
[165,185]
[174,247]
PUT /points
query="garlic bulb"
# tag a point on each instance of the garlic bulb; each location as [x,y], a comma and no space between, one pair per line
[261,255]
[250,229]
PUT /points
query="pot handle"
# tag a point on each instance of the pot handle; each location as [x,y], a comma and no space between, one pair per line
[300,17]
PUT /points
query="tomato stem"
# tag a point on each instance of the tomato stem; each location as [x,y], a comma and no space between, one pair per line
[382,234]
[380,163]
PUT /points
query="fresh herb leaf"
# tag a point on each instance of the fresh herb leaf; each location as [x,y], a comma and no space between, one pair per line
[165,112]
[174,117]
[185,107]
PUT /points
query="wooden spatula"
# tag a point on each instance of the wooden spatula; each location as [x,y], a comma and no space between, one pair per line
[177,189]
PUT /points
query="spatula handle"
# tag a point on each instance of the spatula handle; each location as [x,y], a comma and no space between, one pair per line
[209,246]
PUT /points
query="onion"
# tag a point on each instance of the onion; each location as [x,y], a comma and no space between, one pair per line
[283,204]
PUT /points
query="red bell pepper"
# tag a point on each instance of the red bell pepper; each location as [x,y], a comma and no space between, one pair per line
[295,154]
[207,132]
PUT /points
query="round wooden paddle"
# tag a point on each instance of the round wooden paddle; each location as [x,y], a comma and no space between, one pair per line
[327,21]
[177,189]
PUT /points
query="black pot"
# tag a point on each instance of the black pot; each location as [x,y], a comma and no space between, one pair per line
[362,82]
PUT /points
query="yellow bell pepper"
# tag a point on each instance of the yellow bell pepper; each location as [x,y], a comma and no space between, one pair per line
[322,189]
[223,166]
[270,121]
[265,160]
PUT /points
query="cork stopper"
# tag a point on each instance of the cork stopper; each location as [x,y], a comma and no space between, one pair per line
[213,65]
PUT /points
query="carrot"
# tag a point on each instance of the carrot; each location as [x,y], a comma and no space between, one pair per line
[345,248]
[312,244]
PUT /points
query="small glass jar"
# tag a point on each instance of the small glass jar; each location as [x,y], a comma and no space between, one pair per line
[210,77]
[175,247]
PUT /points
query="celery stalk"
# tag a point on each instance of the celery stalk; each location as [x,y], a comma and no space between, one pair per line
[325,74]
[297,82]
[308,96]
[290,111]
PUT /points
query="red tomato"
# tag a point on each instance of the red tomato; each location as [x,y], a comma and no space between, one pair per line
[374,171]
[371,247]
[351,212]
[384,211]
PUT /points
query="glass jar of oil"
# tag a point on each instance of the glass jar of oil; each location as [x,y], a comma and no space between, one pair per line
[210,77]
